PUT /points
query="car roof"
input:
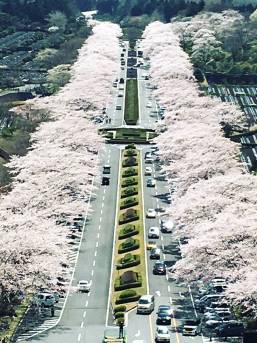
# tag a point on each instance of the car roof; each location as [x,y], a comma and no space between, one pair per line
[83,281]
[165,306]
[147,297]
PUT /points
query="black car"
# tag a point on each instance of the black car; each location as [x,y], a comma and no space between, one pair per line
[159,268]
[230,329]
[164,315]
[105,181]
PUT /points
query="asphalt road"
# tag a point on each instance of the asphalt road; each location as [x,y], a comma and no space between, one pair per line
[84,315]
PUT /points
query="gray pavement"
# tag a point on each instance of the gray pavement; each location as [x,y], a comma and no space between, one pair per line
[84,315]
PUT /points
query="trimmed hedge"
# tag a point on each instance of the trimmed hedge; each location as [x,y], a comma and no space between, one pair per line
[130,161]
[130,172]
[127,296]
[135,261]
[132,181]
[120,308]
[130,244]
[129,216]
[130,191]
[128,202]
[128,231]
[120,287]
[130,152]
[119,315]
[130,146]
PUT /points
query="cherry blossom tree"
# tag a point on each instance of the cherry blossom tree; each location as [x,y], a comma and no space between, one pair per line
[53,181]
[214,205]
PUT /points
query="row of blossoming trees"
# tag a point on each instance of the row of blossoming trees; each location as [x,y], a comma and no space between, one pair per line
[215,202]
[53,181]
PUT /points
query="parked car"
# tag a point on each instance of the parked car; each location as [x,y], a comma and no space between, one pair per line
[155,254]
[230,329]
[190,327]
[106,169]
[45,299]
[149,160]
[105,181]
[167,225]
[83,286]
[118,107]
[151,245]
[120,94]
[207,299]
[159,268]
[162,334]
[150,213]
[54,292]
[164,315]
[150,182]
[148,171]
[145,304]
[154,232]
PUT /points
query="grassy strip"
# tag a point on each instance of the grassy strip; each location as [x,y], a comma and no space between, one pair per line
[131,114]
[139,267]
[14,321]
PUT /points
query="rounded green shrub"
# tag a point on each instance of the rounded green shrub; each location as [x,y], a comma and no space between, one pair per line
[128,293]
[120,308]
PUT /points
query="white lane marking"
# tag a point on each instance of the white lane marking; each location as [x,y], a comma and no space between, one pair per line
[192,300]
[164,257]
[92,272]
[103,200]
[169,288]
[84,314]
[158,293]
[98,235]
[161,238]
[95,252]
[88,294]
[162,246]
[100,219]
[82,324]
[94,263]
[171,300]
[99,227]
[96,245]
[138,333]
[102,210]
[86,305]
[104,190]
[79,337]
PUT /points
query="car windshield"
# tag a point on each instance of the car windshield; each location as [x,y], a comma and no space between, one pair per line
[164,310]
[143,301]
[190,323]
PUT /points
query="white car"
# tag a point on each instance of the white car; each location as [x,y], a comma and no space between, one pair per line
[84,286]
[150,182]
[154,232]
[149,104]
[148,171]
[45,299]
[150,213]
[162,334]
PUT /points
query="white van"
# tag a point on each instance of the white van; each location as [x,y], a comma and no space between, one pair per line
[145,304]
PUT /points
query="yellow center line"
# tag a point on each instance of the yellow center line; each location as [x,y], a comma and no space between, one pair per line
[175,327]
[151,328]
